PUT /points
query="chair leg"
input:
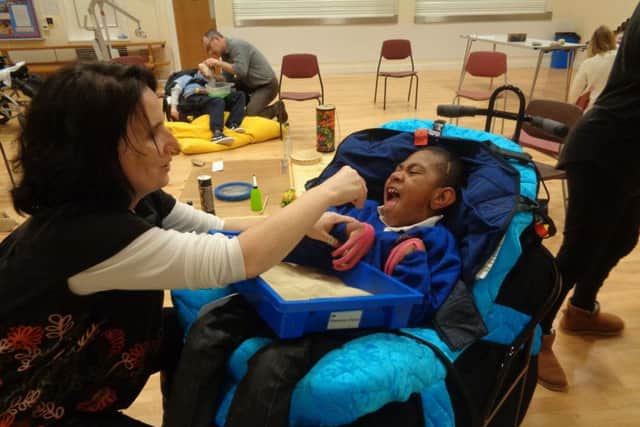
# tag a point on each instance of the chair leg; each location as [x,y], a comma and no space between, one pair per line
[505,109]
[375,92]
[456,98]
[410,84]
[565,194]
[415,106]
[6,163]
[384,102]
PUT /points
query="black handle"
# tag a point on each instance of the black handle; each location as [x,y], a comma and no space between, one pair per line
[551,126]
[454,110]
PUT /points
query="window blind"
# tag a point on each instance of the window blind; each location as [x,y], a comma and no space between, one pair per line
[310,12]
[459,10]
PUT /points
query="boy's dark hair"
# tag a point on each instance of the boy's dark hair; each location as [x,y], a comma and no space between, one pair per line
[68,150]
[450,167]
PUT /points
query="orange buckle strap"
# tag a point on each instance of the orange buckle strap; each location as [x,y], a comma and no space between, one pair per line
[421,137]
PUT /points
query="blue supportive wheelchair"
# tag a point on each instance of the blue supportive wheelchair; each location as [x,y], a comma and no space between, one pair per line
[445,374]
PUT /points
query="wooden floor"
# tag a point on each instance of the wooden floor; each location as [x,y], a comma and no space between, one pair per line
[604,389]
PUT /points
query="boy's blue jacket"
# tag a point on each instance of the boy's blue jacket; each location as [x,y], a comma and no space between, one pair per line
[434,272]
[191,84]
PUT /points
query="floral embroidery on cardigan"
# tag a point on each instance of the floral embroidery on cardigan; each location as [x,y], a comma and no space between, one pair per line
[48,411]
[59,341]
[59,326]
[24,338]
[100,401]
[116,339]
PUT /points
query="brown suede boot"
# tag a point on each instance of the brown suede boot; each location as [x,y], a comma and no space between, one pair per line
[550,373]
[578,321]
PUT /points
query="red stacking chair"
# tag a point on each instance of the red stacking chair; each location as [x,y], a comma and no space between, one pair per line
[393,50]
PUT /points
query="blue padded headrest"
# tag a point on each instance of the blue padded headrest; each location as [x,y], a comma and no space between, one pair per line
[487,201]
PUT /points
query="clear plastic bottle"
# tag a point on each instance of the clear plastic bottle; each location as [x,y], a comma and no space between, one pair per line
[286,149]
[288,145]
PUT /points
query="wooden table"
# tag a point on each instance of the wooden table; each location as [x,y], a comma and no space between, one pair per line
[540,45]
[272,181]
[60,55]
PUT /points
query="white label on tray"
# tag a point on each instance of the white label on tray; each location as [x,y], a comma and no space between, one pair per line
[344,319]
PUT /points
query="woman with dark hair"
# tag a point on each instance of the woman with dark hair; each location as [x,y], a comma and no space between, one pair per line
[81,280]
[603,214]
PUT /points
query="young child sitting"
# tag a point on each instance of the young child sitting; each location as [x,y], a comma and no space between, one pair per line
[402,236]
[195,101]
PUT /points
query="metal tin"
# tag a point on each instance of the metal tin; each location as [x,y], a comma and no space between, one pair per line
[205,188]
[325,128]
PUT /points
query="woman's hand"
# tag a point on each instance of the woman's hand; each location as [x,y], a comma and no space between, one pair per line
[346,186]
[322,227]
[266,244]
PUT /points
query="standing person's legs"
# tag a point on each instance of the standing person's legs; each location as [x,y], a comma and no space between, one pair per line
[621,242]
[582,210]
[594,222]
[260,98]
[583,315]
[235,103]
[591,219]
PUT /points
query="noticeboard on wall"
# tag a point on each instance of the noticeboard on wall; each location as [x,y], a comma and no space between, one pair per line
[18,20]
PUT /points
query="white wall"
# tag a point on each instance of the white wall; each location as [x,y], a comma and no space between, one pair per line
[585,16]
[355,48]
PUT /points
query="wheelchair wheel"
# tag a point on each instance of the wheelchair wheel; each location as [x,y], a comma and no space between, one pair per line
[9,108]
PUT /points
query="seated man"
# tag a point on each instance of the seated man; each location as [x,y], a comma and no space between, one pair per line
[402,237]
[195,101]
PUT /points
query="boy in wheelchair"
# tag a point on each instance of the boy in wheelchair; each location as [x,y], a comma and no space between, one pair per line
[402,236]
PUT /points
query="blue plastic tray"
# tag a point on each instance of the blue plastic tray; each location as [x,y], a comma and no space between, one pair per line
[389,306]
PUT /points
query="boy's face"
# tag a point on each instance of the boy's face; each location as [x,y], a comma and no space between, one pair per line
[413,192]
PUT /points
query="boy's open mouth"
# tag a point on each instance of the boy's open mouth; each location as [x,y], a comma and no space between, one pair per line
[391,197]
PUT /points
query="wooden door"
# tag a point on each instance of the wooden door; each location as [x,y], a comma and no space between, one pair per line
[192,20]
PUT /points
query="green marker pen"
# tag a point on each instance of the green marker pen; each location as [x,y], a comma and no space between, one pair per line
[256,197]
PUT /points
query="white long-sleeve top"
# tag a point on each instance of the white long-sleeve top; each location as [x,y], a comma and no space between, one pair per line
[178,255]
[592,76]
